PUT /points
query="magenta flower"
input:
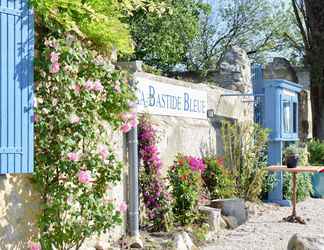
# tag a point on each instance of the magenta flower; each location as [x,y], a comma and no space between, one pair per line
[122,207]
[84,176]
[103,152]
[73,156]
[196,164]
[89,85]
[125,128]
[55,67]
[34,246]
[54,57]
[74,119]
[98,86]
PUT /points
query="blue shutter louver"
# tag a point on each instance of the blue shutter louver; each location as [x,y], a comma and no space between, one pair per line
[16,87]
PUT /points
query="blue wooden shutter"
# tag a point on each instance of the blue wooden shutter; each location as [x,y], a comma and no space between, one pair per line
[16,87]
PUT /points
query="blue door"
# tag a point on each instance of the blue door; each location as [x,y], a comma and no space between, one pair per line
[16,87]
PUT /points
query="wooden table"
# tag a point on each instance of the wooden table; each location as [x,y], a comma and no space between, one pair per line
[300,169]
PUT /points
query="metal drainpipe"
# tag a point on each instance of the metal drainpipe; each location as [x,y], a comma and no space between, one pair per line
[133,211]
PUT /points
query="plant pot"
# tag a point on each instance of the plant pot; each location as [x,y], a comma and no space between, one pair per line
[292,161]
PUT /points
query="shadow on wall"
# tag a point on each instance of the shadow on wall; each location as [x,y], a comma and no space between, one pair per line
[18,211]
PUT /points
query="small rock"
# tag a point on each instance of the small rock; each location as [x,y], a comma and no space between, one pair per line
[183,242]
[299,242]
[231,222]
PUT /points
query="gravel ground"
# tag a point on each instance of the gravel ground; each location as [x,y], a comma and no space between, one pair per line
[265,230]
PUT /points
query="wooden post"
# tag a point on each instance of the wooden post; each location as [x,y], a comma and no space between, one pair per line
[294,194]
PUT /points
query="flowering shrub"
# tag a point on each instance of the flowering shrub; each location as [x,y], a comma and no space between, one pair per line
[156,198]
[217,179]
[79,97]
[186,183]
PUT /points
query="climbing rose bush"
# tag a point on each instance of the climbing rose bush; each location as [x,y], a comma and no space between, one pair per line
[154,193]
[186,183]
[79,97]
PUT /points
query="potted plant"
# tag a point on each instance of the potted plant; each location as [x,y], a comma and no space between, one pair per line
[292,155]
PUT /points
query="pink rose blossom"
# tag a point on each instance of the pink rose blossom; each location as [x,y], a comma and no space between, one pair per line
[89,85]
[84,176]
[34,246]
[98,86]
[54,57]
[122,207]
[74,119]
[125,128]
[103,152]
[117,89]
[76,89]
[73,156]
[55,67]
[125,116]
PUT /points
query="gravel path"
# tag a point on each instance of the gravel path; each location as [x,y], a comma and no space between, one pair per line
[267,231]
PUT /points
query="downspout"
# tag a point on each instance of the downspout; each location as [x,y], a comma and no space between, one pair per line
[133,192]
[133,211]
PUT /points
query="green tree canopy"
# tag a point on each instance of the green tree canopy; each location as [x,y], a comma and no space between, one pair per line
[162,40]
[94,20]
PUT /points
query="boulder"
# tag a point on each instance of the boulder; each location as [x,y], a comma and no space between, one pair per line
[183,241]
[232,208]
[213,217]
[235,71]
[300,242]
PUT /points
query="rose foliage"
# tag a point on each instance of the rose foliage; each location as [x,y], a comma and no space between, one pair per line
[80,96]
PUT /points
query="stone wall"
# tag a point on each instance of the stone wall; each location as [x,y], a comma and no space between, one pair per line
[197,136]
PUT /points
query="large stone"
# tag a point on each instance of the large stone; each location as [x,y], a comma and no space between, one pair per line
[235,71]
[300,242]
[232,208]
[213,217]
[280,68]
[183,241]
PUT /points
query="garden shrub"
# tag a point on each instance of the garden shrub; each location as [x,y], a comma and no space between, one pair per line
[316,152]
[80,96]
[217,179]
[186,184]
[153,188]
[244,153]
[304,182]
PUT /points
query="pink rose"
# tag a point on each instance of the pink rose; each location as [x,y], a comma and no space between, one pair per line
[76,89]
[98,86]
[55,67]
[74,119]
[89,85]
[103,152]
[125,128]
[125,116]
[34,246]
[84,176]
[117,89]
[73,156]
[54,57]
[122,207]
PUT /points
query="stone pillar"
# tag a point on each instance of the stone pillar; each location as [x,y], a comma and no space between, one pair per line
[235,71]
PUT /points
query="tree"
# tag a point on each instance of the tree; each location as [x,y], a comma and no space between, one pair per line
[161,40]
[98,22]
[255,26]
[310,21]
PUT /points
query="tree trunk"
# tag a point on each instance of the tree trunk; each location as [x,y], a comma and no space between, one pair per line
[315,58]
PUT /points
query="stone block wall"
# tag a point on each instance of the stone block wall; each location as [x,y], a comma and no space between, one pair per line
[197,136]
